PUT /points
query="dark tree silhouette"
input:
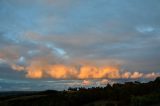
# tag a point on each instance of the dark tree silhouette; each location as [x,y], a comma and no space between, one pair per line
[128,94]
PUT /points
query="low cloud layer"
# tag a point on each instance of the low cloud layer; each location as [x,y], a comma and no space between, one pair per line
[81,72]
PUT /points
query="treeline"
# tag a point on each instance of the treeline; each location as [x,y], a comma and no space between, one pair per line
[127,94]
[130,93]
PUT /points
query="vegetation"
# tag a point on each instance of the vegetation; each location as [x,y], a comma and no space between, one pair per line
[128,94]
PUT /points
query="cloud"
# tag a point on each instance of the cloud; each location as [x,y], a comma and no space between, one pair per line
[104,82]
[36,74]
[152,75]
[136,75]
[18,68]
[49,65]
[86,83]
[126,75]
[132,75]
[61,71]
[94,72]
[146,29]
[67,39]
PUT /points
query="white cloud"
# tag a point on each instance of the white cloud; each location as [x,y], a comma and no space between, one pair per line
[152,75]
[145,29]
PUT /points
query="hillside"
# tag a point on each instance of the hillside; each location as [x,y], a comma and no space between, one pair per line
[128,94]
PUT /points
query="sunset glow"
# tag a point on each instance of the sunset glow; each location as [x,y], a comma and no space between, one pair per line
[78,42]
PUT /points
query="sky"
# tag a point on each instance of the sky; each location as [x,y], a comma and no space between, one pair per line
[55,44]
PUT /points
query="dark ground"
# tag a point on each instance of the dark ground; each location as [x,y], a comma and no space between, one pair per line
[128,94]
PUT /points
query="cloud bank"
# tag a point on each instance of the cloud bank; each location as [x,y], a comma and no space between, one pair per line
[81,72]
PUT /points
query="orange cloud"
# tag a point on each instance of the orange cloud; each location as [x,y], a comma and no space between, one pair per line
[94,72]
[34,72]
[61,72]
[39,69]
